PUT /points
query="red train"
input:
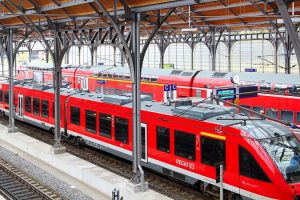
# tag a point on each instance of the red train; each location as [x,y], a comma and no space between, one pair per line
[279,95]
[261,158]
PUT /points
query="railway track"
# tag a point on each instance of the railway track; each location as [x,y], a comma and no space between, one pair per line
[16,185]
[157,182]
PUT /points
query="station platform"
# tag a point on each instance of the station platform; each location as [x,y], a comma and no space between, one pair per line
[91,179]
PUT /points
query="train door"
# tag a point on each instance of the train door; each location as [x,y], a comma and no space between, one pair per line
[144,134]
[20,105]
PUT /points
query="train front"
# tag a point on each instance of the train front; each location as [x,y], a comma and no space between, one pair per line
[283,146]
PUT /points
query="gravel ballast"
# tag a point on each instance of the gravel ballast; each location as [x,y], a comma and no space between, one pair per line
[65,190]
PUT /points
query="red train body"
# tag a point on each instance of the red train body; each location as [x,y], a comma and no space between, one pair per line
[256,154]
[278,97]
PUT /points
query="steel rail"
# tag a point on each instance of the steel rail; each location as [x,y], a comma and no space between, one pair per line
[15,184]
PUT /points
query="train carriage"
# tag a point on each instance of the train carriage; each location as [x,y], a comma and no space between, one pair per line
[281,90]
[185,142]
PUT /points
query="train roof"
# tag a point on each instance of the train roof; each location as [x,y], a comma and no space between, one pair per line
[145,71]
[257,128]
[244,76]
[252,76]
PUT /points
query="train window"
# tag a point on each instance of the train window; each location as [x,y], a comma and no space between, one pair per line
[105,125]
[287,116]
[272,112]
[28,104]
[163,139]
[213,151]
[1,95]
[154,79]
[45,109]
[246,112]
[118,92]
[121,129]
[90,121]
[298,117]
[36,106]
[151,95]
[258,110]
[185,145]
[249,166]
[75,115]
[6,97]
[198,93]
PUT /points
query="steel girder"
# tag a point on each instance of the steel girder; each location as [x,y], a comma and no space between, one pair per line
[290,28]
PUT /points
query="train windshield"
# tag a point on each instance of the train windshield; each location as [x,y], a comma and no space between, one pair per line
[285,151]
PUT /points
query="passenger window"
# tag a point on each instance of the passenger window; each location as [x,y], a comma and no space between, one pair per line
[249,167]
[185,145]
[213,151]
[28,104]
[75,115]
[105,125]
[259,110]
[121,129]
[287,116]
[6,97]
[298,117]
[272,112]
[163,139]
[90,121]
[246,112]
[198,93]
[45,109]
[36,106]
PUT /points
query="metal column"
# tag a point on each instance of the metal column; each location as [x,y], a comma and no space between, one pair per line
[2,62]
[276,45]
[162,57]
[11,125]
[162,49]
[115,57]
[138,173]
[29,51]
[79,57]
[290,28]
[57,147]
[47,55]
[213,50]
[287,54]
[92,55]
[122,58]
[192,55]
[229,55]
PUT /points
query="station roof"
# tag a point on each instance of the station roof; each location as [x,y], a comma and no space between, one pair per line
[235,15]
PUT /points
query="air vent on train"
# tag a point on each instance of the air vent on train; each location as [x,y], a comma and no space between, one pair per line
[187,73]
[117,100]
[202,111]
[218,75]
[183,102]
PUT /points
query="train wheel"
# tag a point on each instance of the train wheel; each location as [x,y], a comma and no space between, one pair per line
[78,141]
[233,196]
[51,130]
[75,141]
